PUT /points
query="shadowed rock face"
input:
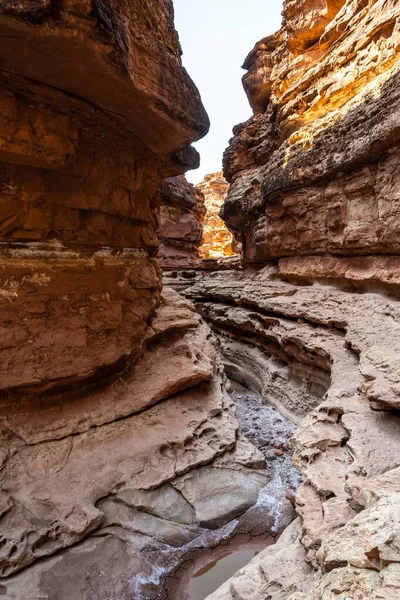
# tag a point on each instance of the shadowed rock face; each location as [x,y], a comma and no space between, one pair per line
[192,234]
[96,109]
[180,224]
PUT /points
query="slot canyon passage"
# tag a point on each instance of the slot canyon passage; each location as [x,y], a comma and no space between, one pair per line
[176,387]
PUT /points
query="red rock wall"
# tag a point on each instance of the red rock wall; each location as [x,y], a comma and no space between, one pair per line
[119,447]
[314,197]
[95,111]
[314,172]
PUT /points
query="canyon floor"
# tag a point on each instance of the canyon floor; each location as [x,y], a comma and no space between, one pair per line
[193,375]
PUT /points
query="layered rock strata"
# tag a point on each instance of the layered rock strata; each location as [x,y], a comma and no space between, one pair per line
[327,359]
[107,489]
[217,239]
[87,135]
[180,224]
[313,172]
[119,444]
[313,323]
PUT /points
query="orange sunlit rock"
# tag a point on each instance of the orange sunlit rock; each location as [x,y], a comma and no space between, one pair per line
[316,169]
[217,239]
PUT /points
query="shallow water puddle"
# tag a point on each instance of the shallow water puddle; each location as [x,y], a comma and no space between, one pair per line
[210,577]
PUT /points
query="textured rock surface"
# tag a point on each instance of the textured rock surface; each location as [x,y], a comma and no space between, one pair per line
[180,224]
[121,455]
[313,324]
[217,239]
[314,171]
[327,358]
[110,471]
[96,109]
[110,392]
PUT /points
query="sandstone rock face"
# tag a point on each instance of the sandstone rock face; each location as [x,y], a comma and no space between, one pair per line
[106,488]
[328,359]
[87,135]
[217,239]
[121,455]
[312,324]
[105,402]
[313,172]
[120,452]
[313,195]
[180,224]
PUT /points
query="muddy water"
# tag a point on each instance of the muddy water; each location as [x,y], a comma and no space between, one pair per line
[209,578]
[205,570]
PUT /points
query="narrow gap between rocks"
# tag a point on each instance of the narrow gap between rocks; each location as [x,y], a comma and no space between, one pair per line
[206,569]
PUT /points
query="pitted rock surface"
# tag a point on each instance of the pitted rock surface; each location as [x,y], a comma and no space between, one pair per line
[332,354]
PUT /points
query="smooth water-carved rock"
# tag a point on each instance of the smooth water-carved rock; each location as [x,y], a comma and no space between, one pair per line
[105,400]
[120,467]
[294,339]
[314,171]
[216,498]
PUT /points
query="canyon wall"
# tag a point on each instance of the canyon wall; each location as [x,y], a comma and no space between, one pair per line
[180,224]
[119,445]
[192,234]
[121,454]
[87,135]
[217,239]
[315,328]
[314,172]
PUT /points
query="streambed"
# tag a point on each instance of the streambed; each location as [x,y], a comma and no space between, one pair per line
[205,569]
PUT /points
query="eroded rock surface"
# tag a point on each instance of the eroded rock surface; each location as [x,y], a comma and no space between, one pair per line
[313,195]
[87,136]
[111,392]
[121,454]
[313,172]
[180,224]
[327,359]
[217,239]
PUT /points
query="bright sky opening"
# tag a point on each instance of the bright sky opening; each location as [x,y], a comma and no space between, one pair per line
[216,36]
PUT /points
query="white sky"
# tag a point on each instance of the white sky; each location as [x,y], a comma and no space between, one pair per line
[216,36]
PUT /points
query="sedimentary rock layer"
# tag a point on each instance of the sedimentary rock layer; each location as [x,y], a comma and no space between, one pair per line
[314,171]
[334,353]
[314,200]
[112,413]
[121,476]
[217,239]
[180,224]
[96,109]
